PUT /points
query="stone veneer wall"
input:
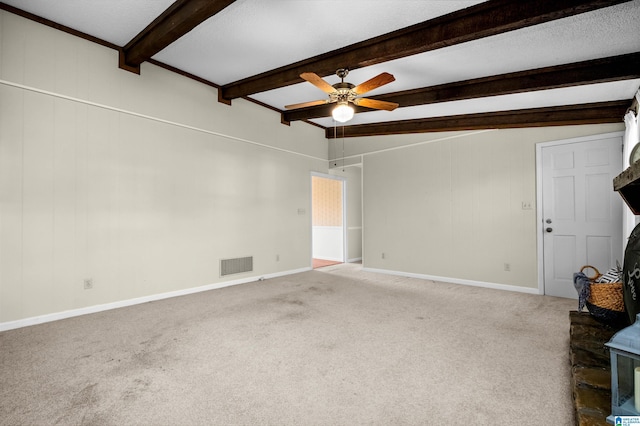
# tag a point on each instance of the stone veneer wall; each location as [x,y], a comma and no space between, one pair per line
[590,369]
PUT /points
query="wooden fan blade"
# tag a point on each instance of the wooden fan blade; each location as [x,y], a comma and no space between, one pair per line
[374,83]
[305,104]
[317,81]
[372,103]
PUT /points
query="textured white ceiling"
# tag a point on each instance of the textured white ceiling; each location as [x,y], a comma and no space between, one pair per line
[116,21]
[252,36]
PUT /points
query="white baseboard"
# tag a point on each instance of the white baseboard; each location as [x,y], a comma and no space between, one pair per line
[355,259]
[472,283]
[10,325]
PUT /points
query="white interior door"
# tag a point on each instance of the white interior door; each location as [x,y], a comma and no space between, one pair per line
[581,213]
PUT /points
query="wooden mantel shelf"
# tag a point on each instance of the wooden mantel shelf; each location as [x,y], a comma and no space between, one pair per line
[627,184]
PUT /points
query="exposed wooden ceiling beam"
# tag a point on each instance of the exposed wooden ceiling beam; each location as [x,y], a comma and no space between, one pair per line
[318,111]
[482,20]
[180,18]
[588,72]
[592,113]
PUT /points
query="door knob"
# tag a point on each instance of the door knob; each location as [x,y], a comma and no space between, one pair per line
[549,229]
[548,220]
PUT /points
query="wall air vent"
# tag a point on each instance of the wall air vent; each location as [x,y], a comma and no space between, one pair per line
[236,266]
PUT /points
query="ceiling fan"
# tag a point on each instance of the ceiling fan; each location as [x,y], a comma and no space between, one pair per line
[344,93]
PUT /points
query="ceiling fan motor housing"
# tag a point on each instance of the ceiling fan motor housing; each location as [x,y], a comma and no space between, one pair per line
[343,92]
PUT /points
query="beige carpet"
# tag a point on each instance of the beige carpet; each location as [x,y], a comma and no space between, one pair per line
[336,346]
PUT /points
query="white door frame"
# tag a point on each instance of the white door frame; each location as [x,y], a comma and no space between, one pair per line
[344,211]
[539,215]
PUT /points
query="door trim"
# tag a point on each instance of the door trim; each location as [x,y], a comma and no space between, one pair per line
[539,218]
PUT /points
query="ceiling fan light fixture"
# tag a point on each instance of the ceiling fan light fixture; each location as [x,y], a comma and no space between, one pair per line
[343,112]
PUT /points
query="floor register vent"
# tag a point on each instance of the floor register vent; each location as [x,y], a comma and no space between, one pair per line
[236,266]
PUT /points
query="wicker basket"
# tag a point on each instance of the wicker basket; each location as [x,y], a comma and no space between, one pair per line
[604,295]
[605,302]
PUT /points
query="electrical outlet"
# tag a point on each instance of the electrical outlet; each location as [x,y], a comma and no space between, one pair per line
[88,284]
[526,205]
[277,258]
[507,267]
[383,255]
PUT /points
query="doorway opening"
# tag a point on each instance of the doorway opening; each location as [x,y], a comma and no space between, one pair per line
[328,220]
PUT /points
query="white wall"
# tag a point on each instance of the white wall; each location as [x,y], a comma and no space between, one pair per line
[452,208]
[141,183]
[328,243]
